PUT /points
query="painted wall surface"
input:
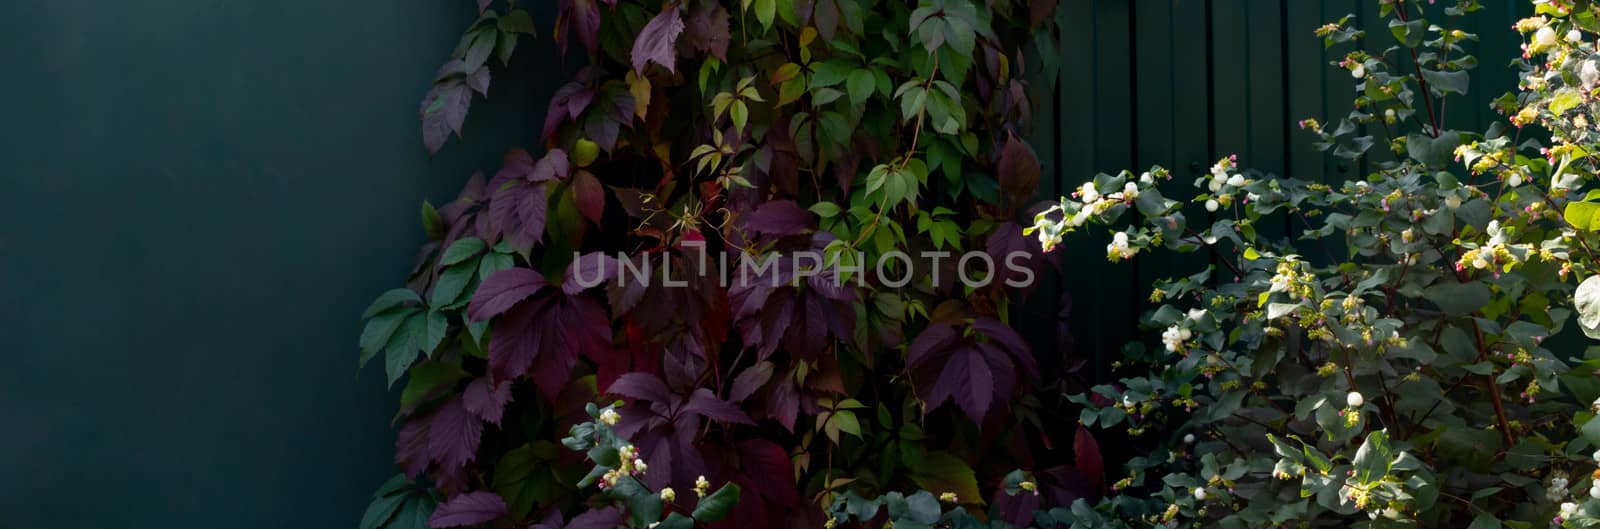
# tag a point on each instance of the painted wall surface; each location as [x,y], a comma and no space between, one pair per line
[201,196]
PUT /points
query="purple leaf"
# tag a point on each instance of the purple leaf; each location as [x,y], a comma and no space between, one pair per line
[642,386]
[606,518]
[483,5]
[707,30]
[1008,239]
[515,340]
[518,164]
[518,214]
[750,380]
[587,271]
[968,380]
[479,80]
[778,217]
[485,400]
[567,103]
[657,42]
[453,435]
[503,290]
[411,446]
[1018,173]
[706,404]
[472,508]
[443,110]
[933,339]
[581,17]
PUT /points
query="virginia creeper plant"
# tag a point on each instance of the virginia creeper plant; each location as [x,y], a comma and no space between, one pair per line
[545,384]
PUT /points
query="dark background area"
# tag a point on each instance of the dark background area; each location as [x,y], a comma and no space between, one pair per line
[202,197]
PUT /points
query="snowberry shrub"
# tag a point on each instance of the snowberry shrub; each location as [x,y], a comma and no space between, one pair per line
[1389,366]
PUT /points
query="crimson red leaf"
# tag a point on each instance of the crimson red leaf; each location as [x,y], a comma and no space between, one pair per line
[778,217]
[1018,172]
[642,386]
[472,508]
[1086,457]
[453,435]
[503,290]
[767,463]
[486,400]
[704,403]
[658,41]
[590,195]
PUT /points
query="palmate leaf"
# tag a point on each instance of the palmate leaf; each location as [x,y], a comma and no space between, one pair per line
[657,42]
[472,508]
[538,331]
[579,17]
[1019,174]
[708,29]
[949,365]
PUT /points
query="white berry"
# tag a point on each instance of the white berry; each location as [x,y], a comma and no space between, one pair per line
[1354,399]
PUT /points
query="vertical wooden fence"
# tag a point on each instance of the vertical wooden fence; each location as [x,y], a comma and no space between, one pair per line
[1182,83]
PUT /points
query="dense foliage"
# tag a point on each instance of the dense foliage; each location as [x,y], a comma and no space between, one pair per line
[1394,364]
[570,299]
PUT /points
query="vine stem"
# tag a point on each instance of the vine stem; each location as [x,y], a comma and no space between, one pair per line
[1427,96]
[1494,391]
[916,133]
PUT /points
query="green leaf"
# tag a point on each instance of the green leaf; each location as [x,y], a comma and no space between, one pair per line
[831,73]
[403,347]
[676,521]
[452,283]
[922,507]
[860,85]
[1583,215]
[765,11]
[825,210]
[428,380]
[1564,100]
[716,506]
[1485,521]
[378,331]
[1409,33]
[462,250]
[389,300]
[381,510]
[1447,82]
[524,478]
[432,224]
[1456,298]
[943,472]
[1373,458]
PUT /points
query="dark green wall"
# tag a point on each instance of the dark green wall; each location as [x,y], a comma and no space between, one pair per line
[201,196]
